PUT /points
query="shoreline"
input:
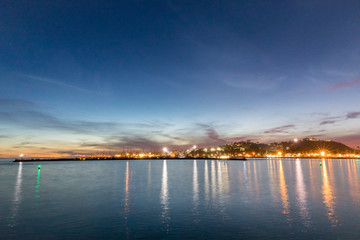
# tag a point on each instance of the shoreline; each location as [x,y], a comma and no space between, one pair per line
[158,158]
[115,159]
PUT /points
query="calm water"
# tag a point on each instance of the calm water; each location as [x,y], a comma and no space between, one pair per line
[181,199]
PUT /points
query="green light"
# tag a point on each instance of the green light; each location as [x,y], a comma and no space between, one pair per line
[37,191]
[321,169]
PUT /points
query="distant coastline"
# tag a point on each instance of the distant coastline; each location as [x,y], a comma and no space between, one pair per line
[110,159]
[164,158]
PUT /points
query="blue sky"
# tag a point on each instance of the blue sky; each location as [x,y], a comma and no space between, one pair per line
[92,76]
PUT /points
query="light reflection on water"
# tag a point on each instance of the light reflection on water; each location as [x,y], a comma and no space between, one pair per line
[126,189]
[283,190]
[206,182]
[353,169]
[149,176]
[257,199]
[164,197]
[195,186]
[301,194]
[126,200]
[328,195]
[17,197]
[37,187]
[213,180]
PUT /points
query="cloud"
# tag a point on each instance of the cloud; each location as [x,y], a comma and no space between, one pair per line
[170,136]
[281,129]
[315,136]
[212,137]
[56,82]
[237,139]
[72,153]
[12,103]
[38,120]
[155,140]
[154,123]
[24,113]
[344,85]
[261,83]
[143,135]
[24,145]
[123,143]
[328,122]
[332,120]
[352,115]
[139,142]
[148,135]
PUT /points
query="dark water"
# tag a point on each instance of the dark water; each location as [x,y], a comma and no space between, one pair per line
[181,199]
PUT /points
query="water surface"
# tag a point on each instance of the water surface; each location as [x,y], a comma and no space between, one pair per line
[181,199]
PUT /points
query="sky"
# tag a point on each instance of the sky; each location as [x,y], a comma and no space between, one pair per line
[80,77]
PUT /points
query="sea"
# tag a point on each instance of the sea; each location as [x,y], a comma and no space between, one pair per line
[181,199]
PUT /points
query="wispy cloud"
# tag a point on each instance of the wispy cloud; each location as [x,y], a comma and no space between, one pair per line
[212,135]
[126,142]
[333,120]
[204,135]
[12,103]
[25,113]
[353,115]
[328,122]
[315,136]
[281,129]
[57,82]
[147,135]
[261,83]
[72,153]
[237,139]
[344,85]
[38,120]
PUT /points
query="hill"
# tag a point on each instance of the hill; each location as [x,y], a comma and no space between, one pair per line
[304,147]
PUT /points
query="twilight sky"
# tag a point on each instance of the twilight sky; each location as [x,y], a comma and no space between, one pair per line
[93,76]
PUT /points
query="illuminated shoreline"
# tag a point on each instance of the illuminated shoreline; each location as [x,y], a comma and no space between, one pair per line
[165,158]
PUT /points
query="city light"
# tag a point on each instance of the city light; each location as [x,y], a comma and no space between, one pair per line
[296,140]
